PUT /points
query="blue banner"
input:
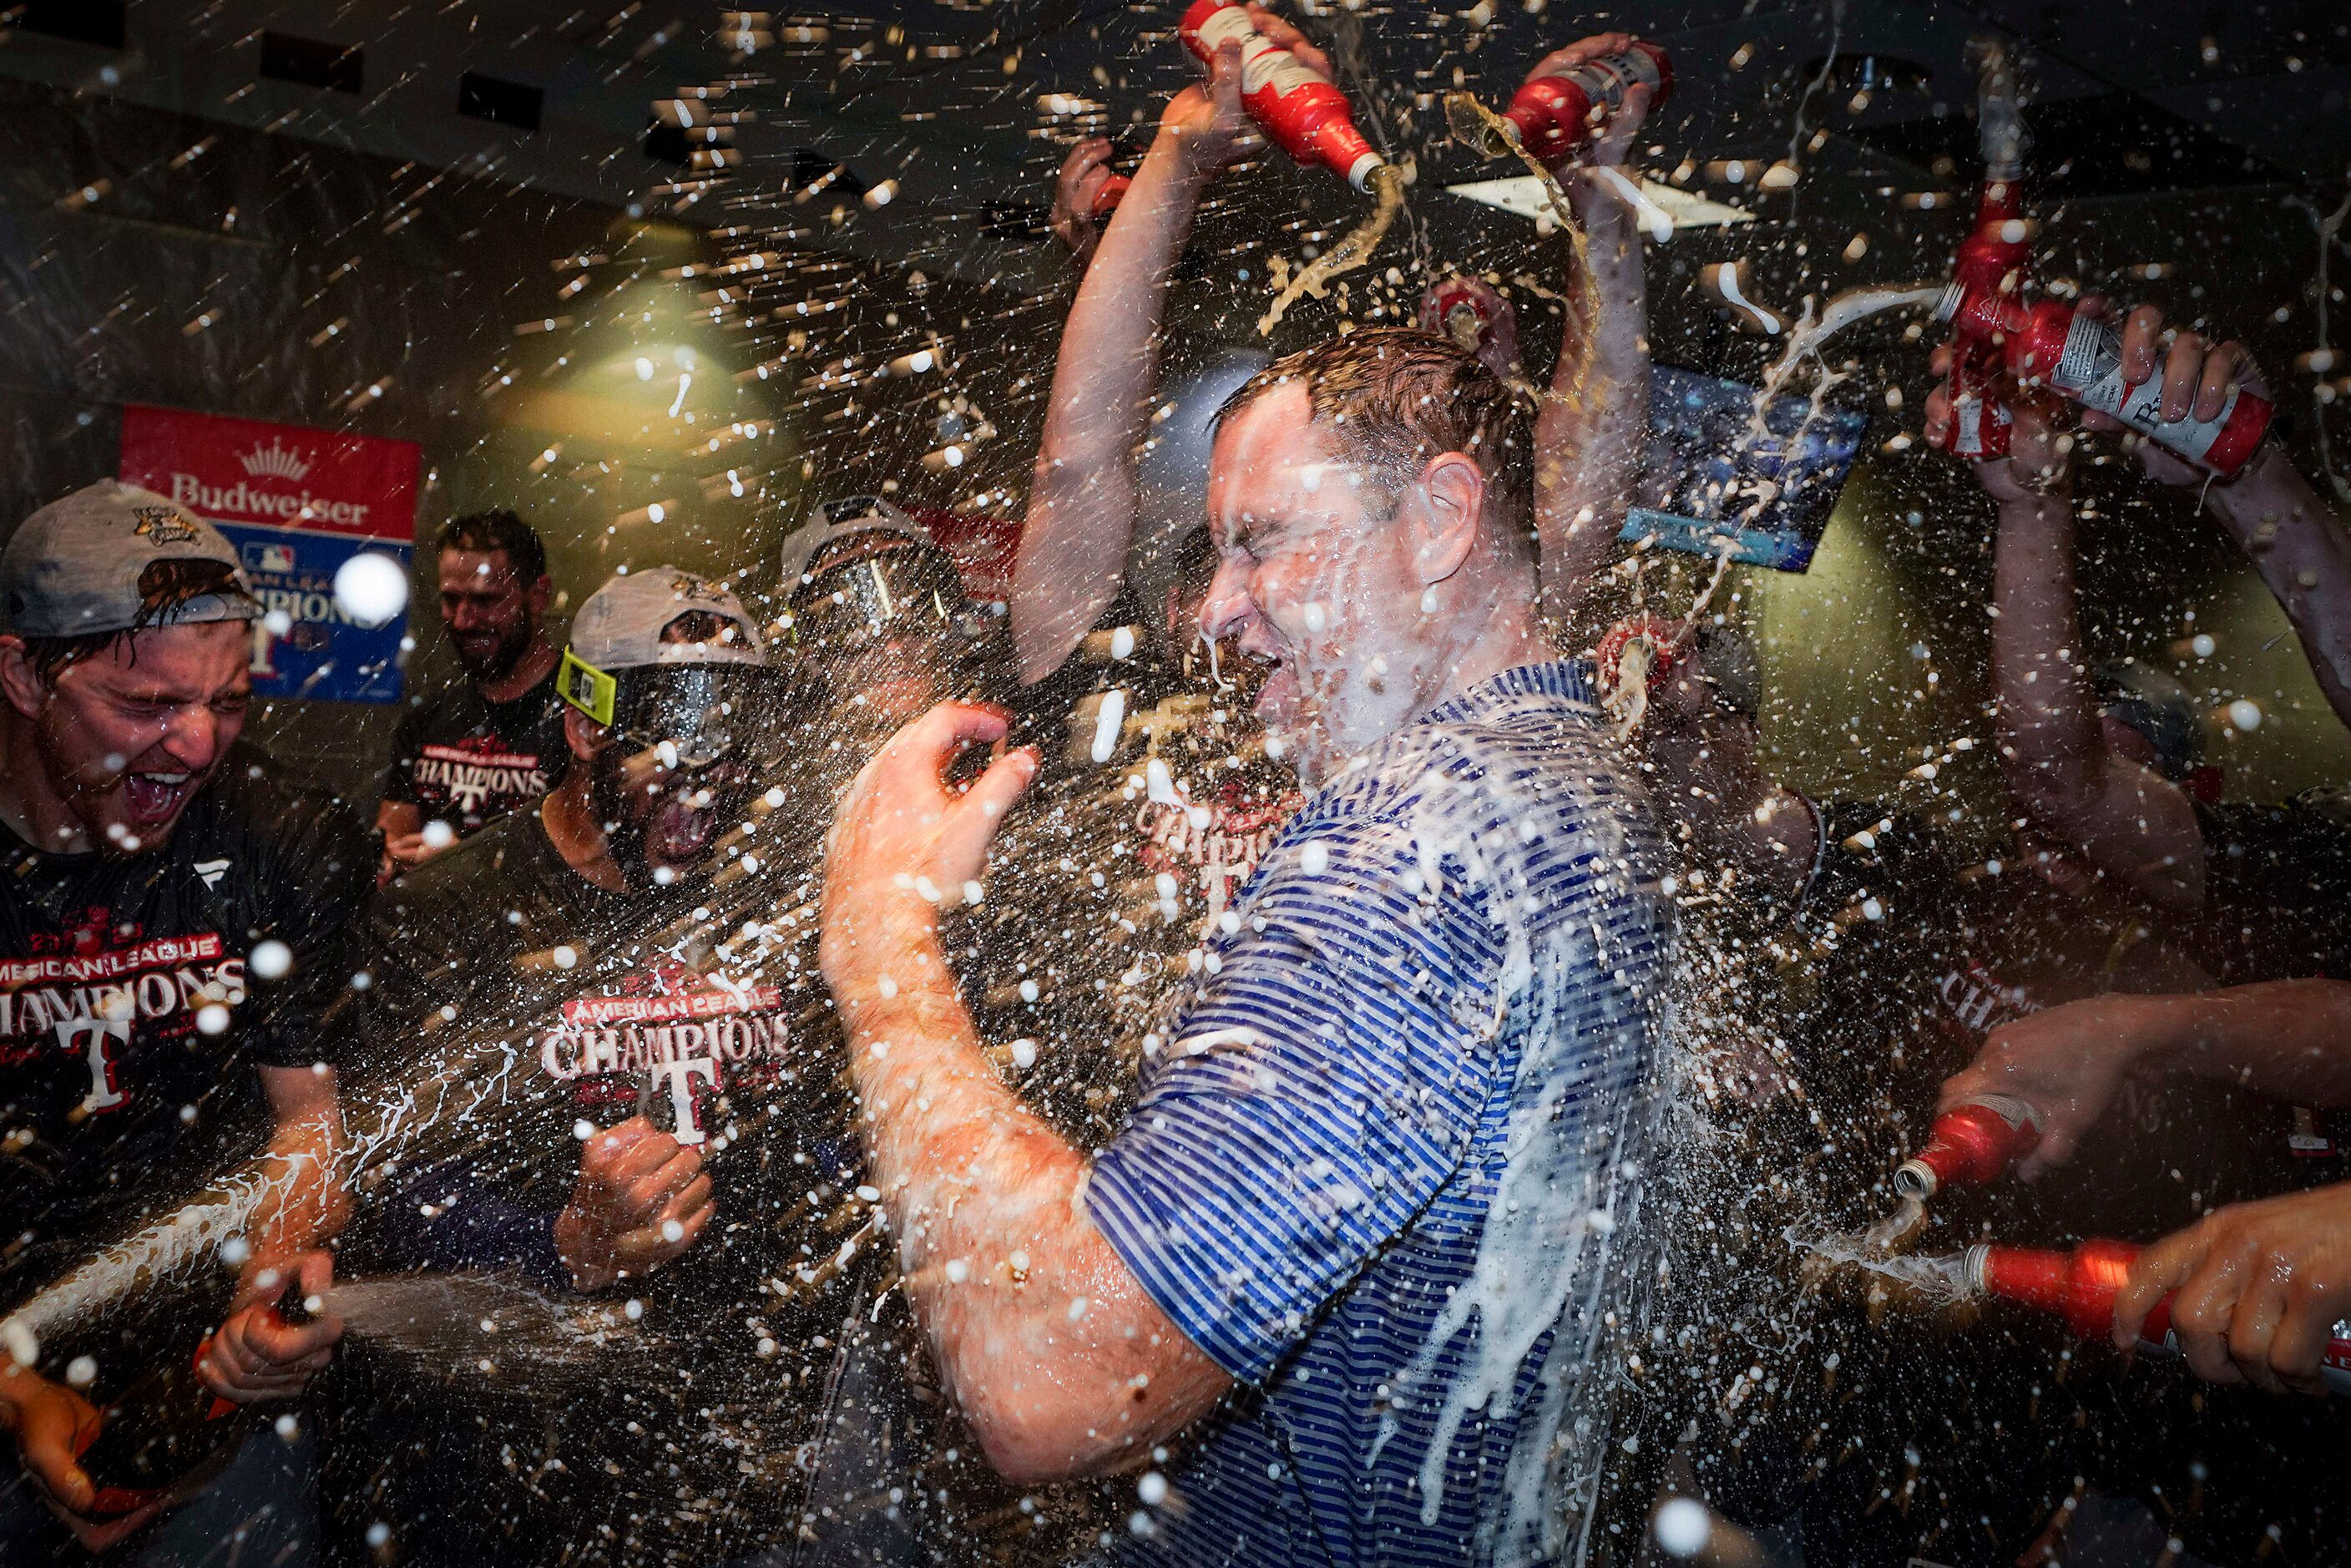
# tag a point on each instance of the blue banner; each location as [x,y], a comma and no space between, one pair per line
[307,646]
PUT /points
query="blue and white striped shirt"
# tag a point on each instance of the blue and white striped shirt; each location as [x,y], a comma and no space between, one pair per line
[1377,1174]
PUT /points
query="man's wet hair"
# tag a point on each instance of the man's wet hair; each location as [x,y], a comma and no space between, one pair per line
[486,532]
[165,586]
[1396,397]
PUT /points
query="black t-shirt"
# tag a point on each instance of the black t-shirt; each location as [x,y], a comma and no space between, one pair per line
[1155,801]
[535,1006]
[465,762]
[118,1094]
[2277,893]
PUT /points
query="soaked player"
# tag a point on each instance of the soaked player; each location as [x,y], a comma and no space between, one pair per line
[1280,1241]
[478,748]
[658,1133]
[167,940]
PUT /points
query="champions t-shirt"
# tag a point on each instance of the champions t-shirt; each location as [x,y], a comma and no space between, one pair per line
[465,761]
[513,1006]
[119,1090]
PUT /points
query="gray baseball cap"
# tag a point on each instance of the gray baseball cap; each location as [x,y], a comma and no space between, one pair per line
[621,626]
[85,564]
[845,519]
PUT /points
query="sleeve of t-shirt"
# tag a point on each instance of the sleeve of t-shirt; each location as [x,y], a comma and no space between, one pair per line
[314,882]
[1323,1085]
[407,742]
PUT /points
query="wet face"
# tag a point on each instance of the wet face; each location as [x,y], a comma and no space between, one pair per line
[1317,581]
[491,613]
[661,821]
[127,737]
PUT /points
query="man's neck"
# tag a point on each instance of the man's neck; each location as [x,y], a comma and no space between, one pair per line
[31,807]
[569,819]
[1508,637]
[524,673]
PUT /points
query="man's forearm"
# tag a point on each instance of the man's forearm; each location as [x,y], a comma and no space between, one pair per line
[2303,555]
[308,1195]
[1588,434]
[1039,1330]
[2290,1040]
[1082,501]
[2127,820]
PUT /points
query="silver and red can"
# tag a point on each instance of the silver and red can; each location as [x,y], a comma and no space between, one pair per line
[1298,108]
[2080,1286]
[2081,358]
[1555,116]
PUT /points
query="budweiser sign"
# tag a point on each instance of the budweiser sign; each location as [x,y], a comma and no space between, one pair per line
[274,475]
[296,504]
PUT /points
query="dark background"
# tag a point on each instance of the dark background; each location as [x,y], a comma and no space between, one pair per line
[389,195]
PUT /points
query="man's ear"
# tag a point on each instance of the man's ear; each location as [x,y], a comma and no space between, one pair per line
[540,595]
[19,682]
[583,734]
[1452,494]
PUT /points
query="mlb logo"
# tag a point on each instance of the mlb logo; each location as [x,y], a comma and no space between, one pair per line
[269,558]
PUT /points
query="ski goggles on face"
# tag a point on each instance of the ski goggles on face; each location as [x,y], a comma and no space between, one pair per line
[895,593]
[691,716]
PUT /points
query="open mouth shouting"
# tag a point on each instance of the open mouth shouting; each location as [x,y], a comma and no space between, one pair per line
[155,797]
[683,827]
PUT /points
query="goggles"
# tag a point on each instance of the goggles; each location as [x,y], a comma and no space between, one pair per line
[692,716]
[897,591]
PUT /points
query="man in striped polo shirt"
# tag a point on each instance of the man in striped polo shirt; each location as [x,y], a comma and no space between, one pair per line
[1338,1289]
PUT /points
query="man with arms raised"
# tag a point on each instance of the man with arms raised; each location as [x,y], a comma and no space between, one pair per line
[477,750]
[170,915]
[1352,1242]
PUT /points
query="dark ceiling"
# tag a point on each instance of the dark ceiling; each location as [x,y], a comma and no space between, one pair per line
[2134,97]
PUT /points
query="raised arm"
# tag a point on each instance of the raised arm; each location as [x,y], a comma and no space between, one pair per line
[2130,822]
[1058,1358]
[1589,433]
[1081,500]
[256,1355]
[2293,537]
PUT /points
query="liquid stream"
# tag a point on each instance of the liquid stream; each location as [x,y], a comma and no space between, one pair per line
[1350,253]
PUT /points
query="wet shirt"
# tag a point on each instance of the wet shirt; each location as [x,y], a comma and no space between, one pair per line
[463,761]
[1364,1173]
[517,1008]
[116,1093]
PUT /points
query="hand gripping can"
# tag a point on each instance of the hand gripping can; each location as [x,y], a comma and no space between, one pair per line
[2081,358]
[1296,106]
[1557,115]
[2080,1287]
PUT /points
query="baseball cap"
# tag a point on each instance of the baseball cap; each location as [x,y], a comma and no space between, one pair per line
[88,563]
[845,518]
[620,628]
[2157,706]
